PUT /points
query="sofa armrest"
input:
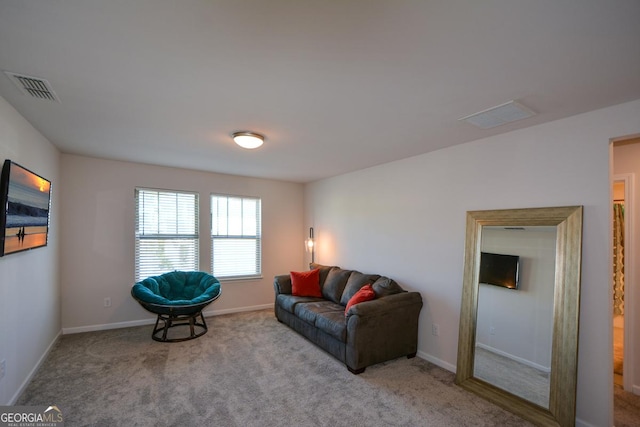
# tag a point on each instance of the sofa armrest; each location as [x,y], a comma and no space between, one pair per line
[389,303]
[382,329]
[282,284]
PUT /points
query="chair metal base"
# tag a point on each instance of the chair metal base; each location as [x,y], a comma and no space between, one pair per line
[173,320]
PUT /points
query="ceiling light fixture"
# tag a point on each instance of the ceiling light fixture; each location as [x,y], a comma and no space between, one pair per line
[248,140]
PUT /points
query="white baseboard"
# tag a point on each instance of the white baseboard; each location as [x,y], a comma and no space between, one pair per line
[237,310]
[635,390]
[152,320]
[581,423]
[526,362]
[438,362]
[106,326]
[33,371]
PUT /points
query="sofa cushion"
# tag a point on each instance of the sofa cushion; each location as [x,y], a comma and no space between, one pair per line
[385,286]
[289,302]
[308,311]
[306,283]
[335,283]
[324,271]
[333,323]
[177,288]
[356,281]
[365,293]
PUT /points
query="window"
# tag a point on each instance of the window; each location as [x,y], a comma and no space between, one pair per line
[166,232]
[236,237]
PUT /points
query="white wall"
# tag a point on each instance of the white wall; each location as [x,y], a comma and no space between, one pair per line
[626,160]
[29,281]
[98,246]
[519,323]
[406,220]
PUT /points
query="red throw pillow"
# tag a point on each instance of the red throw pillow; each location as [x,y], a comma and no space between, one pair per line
[365,293]
[306,283]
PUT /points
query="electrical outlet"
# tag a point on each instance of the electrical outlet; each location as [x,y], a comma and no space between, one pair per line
[492,330]
[435,329]
[107,302]
[3,367]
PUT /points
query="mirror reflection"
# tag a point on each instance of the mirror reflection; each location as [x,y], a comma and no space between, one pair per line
[515,310]
[518,339]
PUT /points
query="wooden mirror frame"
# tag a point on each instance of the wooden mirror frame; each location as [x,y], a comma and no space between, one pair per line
[566,308]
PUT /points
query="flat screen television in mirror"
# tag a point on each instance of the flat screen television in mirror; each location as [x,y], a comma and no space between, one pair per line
[24,211]
[499,270]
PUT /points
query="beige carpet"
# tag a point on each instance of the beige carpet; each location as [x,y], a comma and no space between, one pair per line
[626,408]
[529,383]
[248,370]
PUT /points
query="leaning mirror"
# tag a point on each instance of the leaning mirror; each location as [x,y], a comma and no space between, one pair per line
[518,340]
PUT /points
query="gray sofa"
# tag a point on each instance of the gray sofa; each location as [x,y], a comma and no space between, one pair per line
[370,332]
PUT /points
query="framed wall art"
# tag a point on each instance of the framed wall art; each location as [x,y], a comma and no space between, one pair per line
[25,199]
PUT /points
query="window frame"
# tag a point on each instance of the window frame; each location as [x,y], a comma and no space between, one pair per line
[257,261]
[193,238]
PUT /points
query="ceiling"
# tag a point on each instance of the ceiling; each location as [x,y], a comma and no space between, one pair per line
[335,86]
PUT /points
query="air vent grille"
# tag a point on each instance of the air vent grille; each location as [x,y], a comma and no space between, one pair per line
[33,86]
[499,115]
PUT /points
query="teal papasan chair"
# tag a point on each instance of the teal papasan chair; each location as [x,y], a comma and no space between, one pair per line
[178,299]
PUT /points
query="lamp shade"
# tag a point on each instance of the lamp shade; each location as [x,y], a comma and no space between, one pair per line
[310,244]
[248,140]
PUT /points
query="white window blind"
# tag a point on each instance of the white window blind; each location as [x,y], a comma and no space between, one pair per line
[236,237]
[166,232]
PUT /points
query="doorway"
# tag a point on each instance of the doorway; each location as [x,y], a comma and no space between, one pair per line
[621,185]
[625,165]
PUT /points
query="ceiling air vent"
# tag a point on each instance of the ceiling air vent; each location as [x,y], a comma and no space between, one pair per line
[500,115]
[33,86]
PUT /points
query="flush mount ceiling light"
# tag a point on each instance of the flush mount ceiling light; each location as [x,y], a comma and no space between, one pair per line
[248,140]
